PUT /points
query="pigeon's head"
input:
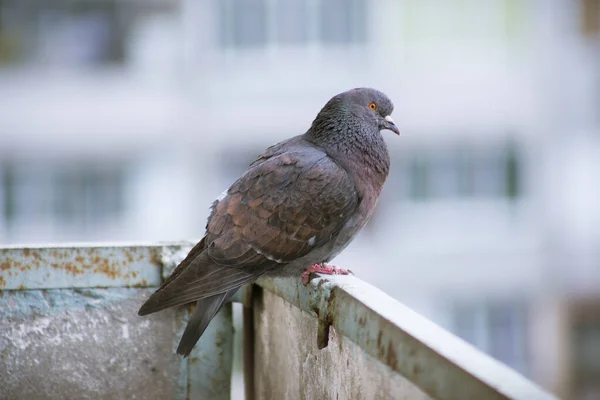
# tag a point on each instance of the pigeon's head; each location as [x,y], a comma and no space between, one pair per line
[365,106]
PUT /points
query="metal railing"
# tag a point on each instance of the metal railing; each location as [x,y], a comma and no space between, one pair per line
[69,329]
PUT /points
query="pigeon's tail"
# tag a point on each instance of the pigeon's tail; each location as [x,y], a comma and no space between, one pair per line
[205,311]
[198,279]
[195,280]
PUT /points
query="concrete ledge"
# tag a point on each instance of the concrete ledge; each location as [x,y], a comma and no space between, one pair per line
[437,362]
[78,328]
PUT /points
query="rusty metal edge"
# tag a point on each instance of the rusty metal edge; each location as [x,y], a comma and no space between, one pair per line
[94,245]
[439,363]
[112,264]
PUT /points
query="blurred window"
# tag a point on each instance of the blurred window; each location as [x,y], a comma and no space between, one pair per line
[79,198]
[585,349]
[432,23]
[497,328]
[88,196]
[63,33]
[589,18]
[261,23]
[419,178]
[243,23]
[70,33]
[463,172]
[342,21]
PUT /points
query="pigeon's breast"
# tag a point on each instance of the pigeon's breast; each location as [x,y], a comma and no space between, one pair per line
[369,174]
[353,225]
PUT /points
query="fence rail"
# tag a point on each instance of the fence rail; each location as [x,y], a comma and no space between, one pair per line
[68,315]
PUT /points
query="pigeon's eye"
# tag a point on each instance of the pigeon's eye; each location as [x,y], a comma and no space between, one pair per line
[373,106]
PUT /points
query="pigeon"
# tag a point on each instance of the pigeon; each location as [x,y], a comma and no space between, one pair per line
[298,205]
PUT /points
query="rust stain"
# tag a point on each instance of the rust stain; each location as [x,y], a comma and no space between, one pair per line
[361,321]
[154,259]
[143,283]
[5,266]
[387,353]
[2,282]
[417,369]
[76,262]
[21,267]
[73,269]
[108,269]
[22,287]
[392,357]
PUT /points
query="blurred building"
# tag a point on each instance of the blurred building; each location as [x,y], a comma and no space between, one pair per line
[122,120]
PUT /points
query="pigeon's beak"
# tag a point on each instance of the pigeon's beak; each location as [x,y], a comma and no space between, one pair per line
[391,125]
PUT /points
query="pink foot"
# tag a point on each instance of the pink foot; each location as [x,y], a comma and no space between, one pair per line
[323,268]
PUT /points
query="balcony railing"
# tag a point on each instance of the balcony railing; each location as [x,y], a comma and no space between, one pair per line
[69,329]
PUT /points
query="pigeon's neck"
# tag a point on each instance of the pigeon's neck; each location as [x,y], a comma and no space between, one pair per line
[359,149]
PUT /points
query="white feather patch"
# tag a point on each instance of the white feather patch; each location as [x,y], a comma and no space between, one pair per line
[222,195]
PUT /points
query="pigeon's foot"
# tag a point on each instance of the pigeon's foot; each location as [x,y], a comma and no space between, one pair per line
[323,268]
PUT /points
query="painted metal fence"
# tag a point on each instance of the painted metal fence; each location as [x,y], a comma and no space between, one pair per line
[69,330]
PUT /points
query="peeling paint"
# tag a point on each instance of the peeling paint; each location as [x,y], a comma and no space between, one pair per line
[83,266]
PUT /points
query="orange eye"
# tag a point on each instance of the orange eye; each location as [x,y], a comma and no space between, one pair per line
[373,106]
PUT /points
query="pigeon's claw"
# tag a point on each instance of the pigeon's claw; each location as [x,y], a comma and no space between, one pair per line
[323,268]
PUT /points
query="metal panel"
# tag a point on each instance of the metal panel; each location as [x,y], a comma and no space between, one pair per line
[82,266]
[439,363]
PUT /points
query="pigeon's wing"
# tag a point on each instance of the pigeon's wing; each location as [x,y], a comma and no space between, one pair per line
[281,209]
[278,211]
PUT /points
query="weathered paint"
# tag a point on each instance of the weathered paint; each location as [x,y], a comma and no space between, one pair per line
[342,370]
[171,256]
[88,342]
[439,363]
[83,266]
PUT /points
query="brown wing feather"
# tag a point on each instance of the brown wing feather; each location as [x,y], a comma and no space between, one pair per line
[281,209]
